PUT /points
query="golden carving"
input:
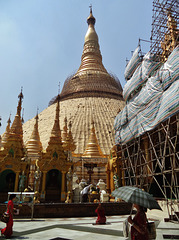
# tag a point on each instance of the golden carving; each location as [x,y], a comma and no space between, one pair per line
[171,39]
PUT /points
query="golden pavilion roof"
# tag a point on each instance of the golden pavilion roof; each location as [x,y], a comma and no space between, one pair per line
[91,79]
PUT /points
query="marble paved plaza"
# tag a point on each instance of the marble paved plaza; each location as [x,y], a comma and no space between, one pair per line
[83,228]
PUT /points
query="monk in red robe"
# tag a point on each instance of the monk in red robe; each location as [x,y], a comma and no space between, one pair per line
[139,224]
[101,215]
[7,231]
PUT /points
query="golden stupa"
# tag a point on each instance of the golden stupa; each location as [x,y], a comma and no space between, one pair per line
[91,93]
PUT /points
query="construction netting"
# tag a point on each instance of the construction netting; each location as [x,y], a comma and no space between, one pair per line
[152,96]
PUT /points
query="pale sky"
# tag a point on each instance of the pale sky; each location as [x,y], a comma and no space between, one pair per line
[41,43]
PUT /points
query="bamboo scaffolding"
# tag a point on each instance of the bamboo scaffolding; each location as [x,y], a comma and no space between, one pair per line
[160,168]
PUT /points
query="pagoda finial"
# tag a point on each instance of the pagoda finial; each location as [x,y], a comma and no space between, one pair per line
[37,115]
[91,19]
[59,88]
[9,119]
[90,6]
[19,107]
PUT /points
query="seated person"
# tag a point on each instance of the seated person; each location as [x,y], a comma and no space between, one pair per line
[101,215]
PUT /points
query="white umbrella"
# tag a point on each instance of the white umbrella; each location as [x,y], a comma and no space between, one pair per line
[86,189]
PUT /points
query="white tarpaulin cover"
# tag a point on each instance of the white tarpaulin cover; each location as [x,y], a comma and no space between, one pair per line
[157,100]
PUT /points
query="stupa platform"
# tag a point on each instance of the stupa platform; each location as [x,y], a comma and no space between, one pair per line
[59,210]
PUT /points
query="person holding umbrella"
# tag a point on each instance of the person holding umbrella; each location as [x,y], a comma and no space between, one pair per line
[138,224]
[141,200]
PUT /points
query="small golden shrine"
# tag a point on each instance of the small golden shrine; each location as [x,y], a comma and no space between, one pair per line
[28,168]
[12,156]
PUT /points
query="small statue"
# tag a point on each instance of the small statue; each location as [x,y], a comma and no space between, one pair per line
[75,181]
[69,180]
[116,180]
[36,197]
[22,179]
[37,176]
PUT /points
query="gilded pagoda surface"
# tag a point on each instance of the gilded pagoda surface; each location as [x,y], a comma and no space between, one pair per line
[91,93]
[80,111]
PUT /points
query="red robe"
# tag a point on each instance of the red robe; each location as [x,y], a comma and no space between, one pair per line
[140,220]
[101,216]
[7,231]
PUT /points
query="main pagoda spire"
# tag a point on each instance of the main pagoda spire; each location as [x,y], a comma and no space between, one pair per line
[91,58]
[91,79]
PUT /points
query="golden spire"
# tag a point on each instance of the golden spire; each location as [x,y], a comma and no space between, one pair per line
[65,131]
[91,33]
[34,146]
[16,127]
[69,145]
[55,138]
[91,79]
[15,138]
[91,58]
[6,134]
[56,127]
[93,149]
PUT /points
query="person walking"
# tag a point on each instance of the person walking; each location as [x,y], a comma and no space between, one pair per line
[7,231]
[139,224]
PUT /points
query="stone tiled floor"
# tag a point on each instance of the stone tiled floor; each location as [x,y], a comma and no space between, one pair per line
[83,228]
